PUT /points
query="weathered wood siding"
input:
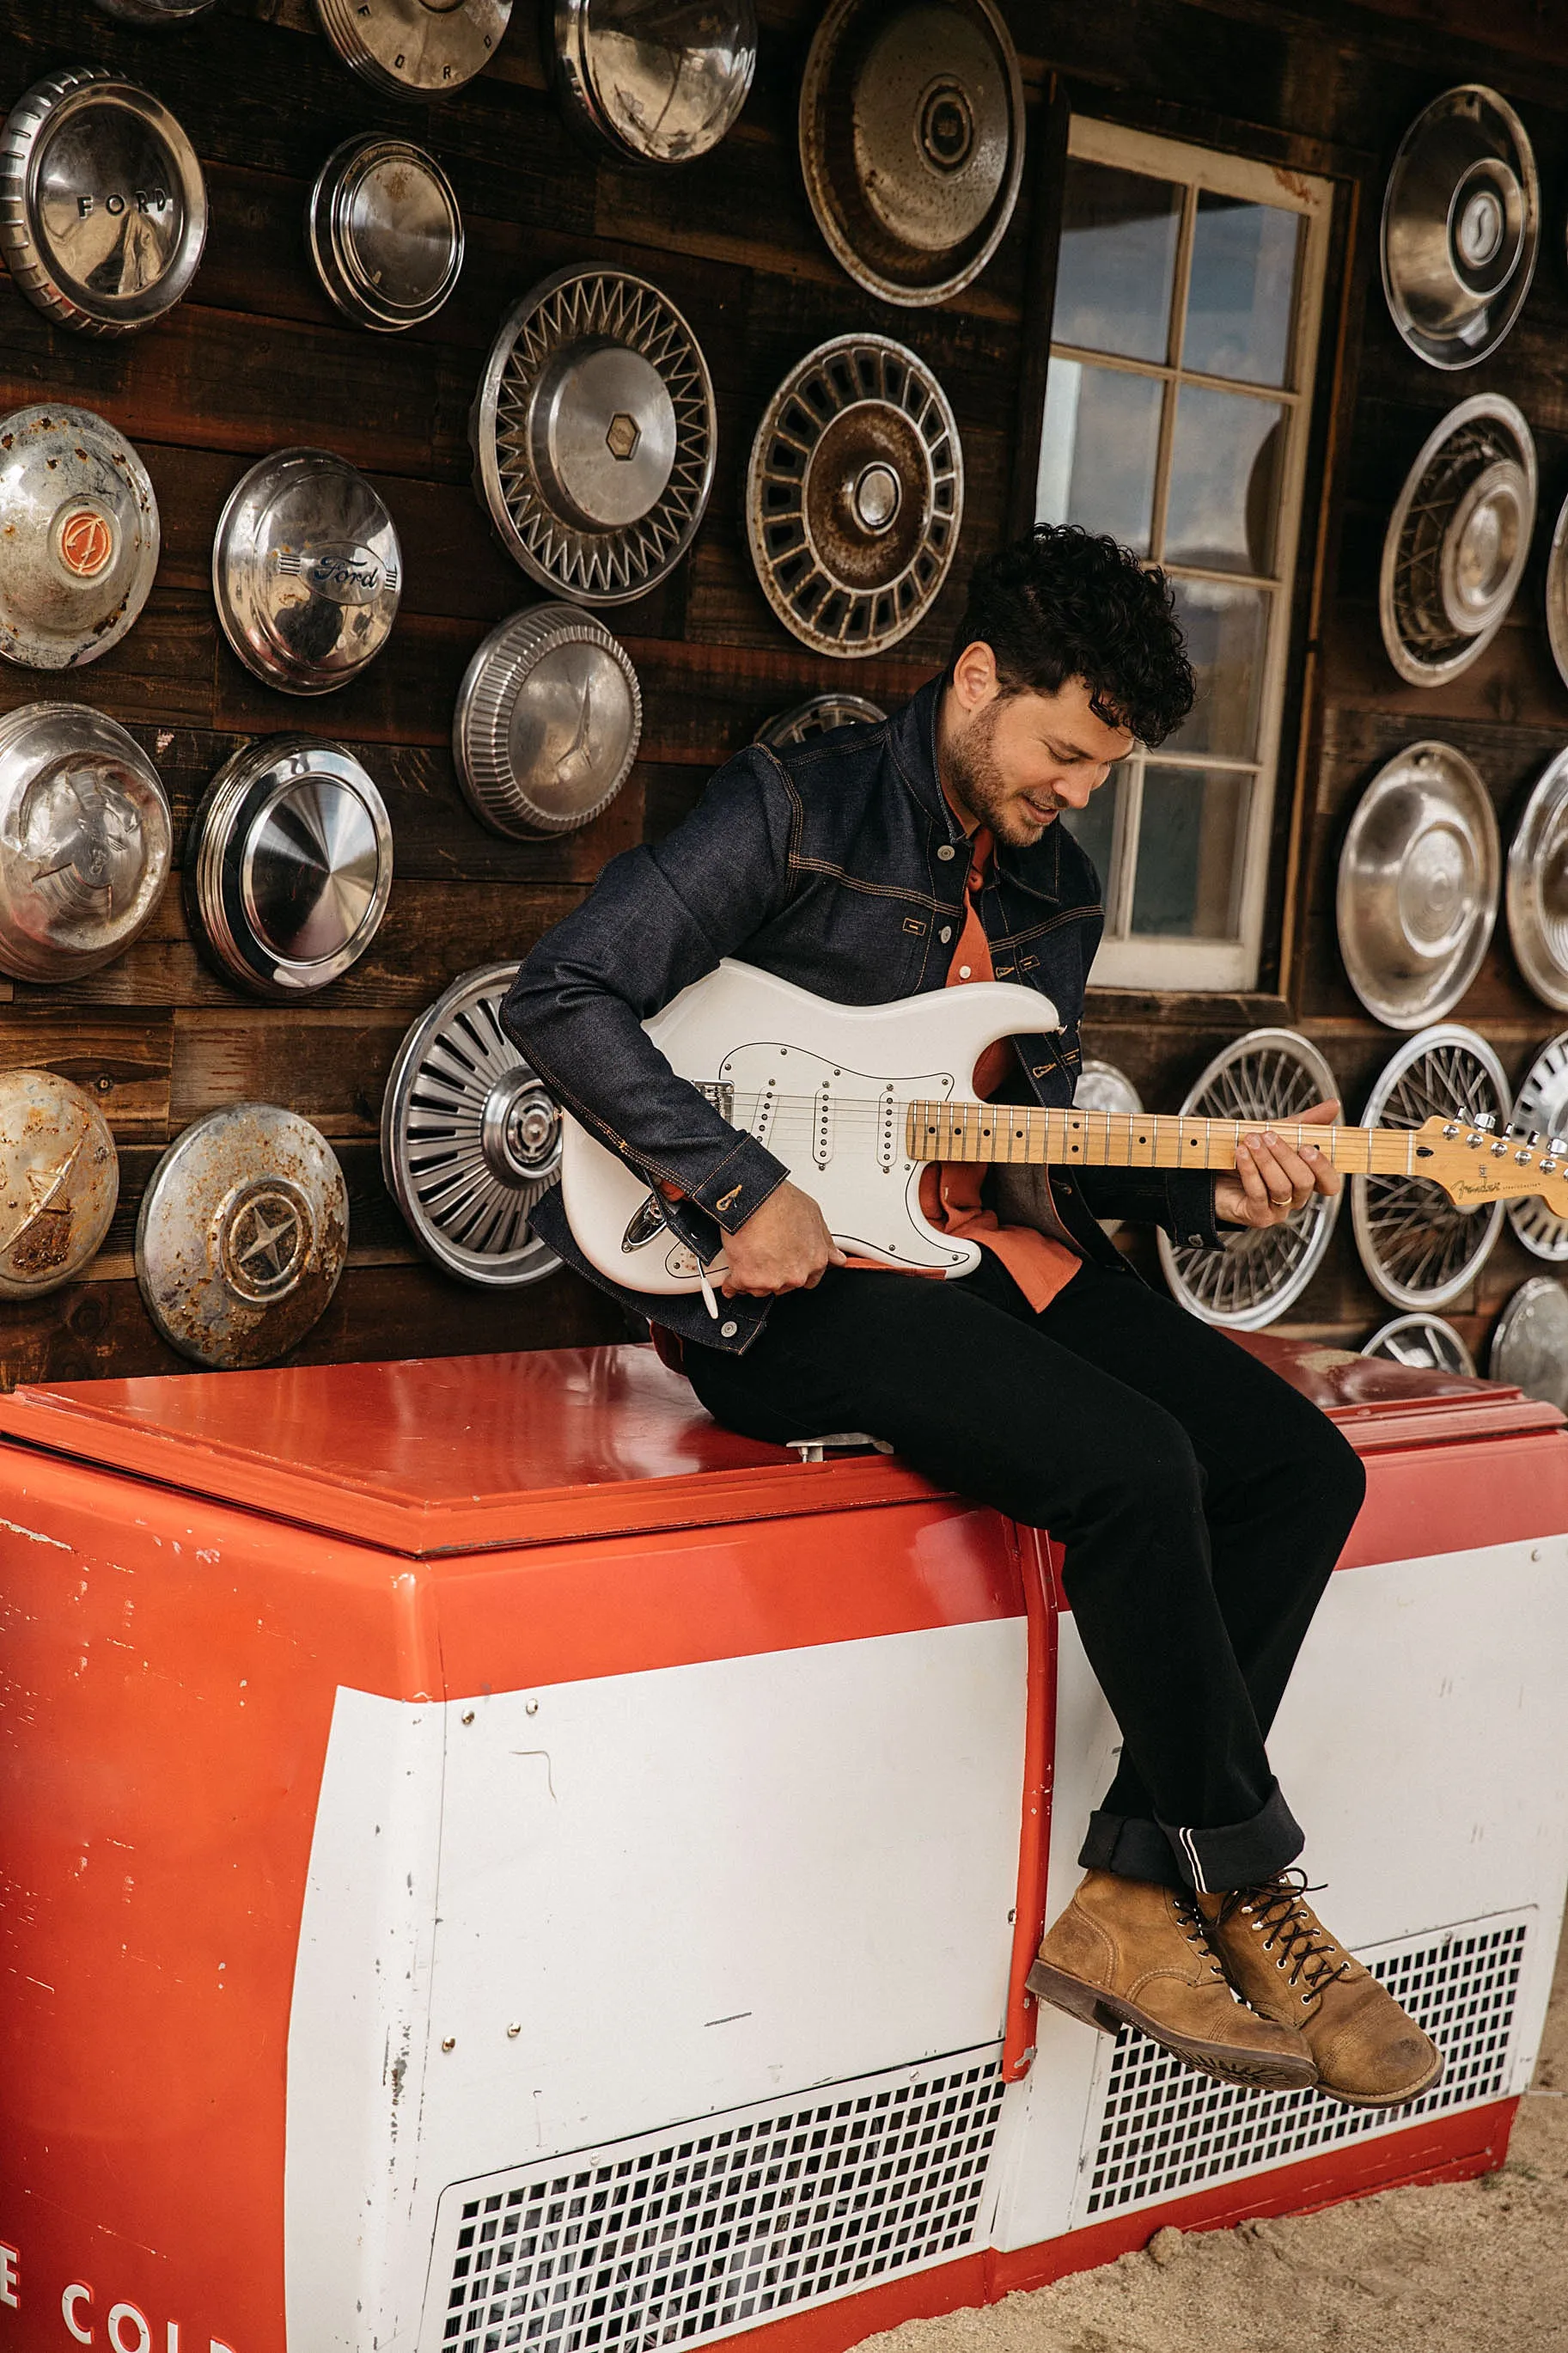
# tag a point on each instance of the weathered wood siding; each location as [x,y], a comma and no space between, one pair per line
[255,359]
[1331,89]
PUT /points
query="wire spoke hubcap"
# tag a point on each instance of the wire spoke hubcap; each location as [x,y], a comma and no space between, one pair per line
[1270,1075]
[1419,1249]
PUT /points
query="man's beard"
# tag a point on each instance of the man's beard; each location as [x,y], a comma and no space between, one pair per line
[976,778]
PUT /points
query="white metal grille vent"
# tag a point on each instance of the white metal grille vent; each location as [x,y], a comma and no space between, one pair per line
[700,2230]
[1165,2128]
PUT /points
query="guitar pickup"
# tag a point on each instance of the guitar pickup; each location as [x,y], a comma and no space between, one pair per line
[822,1119]
[889,1132]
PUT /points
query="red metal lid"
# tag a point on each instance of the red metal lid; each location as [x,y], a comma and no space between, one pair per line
[460,1453]
[1379,1404]
[450,1454]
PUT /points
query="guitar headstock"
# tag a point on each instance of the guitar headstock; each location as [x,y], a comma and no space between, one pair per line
[1473,1161]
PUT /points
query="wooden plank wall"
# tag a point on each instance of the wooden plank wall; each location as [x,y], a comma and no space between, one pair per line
[256,359]
[1331,89]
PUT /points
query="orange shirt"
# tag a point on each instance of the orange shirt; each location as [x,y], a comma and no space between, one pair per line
[950,1193]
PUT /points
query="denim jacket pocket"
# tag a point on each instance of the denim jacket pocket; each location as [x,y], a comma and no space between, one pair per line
[868,946]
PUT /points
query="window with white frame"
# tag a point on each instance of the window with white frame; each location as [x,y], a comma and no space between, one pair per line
[1188,292]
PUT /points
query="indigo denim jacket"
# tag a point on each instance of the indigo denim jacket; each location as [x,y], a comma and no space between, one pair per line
[837,865]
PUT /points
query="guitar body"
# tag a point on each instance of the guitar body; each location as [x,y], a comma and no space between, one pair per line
[817,1083]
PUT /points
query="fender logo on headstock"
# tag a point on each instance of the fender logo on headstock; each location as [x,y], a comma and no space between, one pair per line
[1472,1162]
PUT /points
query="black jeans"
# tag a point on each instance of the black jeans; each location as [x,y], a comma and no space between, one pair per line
[1201,1503]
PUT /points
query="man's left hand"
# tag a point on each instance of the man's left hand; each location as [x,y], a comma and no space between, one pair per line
[1272,1179]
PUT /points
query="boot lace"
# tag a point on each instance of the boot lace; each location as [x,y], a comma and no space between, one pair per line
[1196,1929]
[1281,1914]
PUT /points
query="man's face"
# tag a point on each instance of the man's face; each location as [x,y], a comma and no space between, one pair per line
[1014,762]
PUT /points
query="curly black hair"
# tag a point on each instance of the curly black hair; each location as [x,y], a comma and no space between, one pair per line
[1069,603]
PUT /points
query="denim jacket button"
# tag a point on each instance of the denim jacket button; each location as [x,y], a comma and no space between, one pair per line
[728,1331]
[946,851]
[946,934]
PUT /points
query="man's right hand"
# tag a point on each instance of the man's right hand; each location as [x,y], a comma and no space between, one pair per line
[783,1246]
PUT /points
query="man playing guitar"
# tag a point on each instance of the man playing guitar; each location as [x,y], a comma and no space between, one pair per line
[1200,1500]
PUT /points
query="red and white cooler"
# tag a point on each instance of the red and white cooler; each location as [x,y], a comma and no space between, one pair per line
[490,1860]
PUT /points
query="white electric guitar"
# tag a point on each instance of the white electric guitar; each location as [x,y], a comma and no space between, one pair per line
[856,1099]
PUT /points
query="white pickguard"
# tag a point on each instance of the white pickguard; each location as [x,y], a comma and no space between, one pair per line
[823,1086]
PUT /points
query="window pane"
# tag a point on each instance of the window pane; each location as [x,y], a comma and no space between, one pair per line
[1226,630]
[1099,450]
[1116,262]
[1094,829]
[1190,842]
[1242,288]
[1224,481]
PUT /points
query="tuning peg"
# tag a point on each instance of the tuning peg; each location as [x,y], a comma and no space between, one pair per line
[1486,1121]
[1557,1145]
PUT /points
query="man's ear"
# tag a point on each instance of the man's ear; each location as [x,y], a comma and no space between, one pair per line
[974,678]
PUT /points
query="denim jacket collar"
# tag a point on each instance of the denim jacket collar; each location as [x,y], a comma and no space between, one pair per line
[911,740]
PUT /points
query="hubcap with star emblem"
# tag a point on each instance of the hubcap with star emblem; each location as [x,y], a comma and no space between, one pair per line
[242,1235]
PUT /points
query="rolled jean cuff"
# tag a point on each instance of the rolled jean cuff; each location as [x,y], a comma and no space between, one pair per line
[1238,1854]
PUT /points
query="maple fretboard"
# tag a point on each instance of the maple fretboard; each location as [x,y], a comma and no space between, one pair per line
[1113,1139]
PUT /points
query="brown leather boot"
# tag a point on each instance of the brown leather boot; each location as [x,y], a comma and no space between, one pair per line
[1126,1953]
[1280,1958]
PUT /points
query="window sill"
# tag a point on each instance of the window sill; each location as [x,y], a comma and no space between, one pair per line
[1236,1010]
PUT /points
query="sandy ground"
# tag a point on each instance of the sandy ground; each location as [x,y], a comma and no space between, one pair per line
[1462,2268]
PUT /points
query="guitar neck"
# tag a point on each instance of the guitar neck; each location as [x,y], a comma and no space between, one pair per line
[1112,1139]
